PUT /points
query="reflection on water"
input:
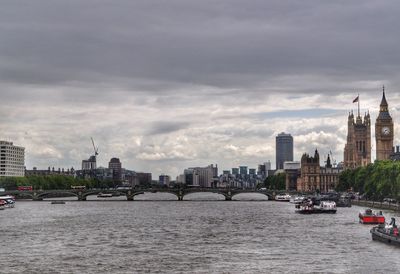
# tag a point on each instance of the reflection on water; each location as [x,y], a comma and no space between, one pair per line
[187,237]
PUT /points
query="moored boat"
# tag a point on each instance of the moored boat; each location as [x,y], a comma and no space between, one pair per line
[57,202]
[371,217]
[297,199]
[308,206]
[282,197]
[388,234]
[104,195]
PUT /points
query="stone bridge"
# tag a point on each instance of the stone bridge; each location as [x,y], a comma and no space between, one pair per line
[82,194]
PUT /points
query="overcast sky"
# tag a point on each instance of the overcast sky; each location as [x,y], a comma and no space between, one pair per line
[165,85]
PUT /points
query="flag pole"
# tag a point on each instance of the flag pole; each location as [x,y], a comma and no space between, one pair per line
[359,105]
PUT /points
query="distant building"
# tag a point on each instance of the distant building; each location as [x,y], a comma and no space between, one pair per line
[116,168]
[357,151]
[235,171]
[89,164]
[50,171]
[329,176]
[313,177]
[164,180]
[284,149]
[252,171]
[310,173]
[12,160]
[142,179]
[384,132]
[267,165]
[292,171]
[243,170]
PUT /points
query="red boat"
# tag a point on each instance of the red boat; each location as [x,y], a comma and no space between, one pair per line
[371,217]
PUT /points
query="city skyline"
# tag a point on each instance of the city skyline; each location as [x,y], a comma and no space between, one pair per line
[163,97]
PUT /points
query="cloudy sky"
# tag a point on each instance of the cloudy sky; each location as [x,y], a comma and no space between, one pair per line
[165,85]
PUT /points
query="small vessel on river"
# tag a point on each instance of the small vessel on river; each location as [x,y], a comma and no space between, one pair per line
[282,197]
[297,199]
[310,206]
[7,201]
[386,233]
[371,217]
[104,195]
[57,202]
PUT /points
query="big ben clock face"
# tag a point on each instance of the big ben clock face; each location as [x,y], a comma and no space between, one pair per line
[385,131]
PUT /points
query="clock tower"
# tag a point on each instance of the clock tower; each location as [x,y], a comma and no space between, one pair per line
[384,131]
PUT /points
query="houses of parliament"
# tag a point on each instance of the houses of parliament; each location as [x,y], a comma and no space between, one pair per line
[357,151]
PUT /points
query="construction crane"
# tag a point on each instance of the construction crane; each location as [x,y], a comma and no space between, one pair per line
[96,149]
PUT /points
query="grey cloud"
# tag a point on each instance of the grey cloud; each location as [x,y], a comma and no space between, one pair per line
[222,75]
[164,127]
[229,44]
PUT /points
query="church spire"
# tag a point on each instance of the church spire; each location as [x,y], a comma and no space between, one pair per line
[384,104]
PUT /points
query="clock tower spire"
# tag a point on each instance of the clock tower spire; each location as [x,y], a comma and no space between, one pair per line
[384,131]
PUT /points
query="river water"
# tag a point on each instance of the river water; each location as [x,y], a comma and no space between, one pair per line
[187,237]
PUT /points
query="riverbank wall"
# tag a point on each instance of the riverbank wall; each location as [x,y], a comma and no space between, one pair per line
[378,205]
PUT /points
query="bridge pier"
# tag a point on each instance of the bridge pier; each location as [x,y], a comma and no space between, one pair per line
[180,195]
[81,197]
[129,196]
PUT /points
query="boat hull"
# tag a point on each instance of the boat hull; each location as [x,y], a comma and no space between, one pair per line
[378,235]
[316,211]
[372,220]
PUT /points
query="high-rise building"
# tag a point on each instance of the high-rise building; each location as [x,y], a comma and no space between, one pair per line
[384,131]
[235,171]
[115,167]
[89,164]
[357,151]
[252,171]
[243,170]
[164,180]
[12,160]
[284,149]
[201,176]
[267,165]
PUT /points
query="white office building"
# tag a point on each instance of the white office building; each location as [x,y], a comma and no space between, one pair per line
[12,160]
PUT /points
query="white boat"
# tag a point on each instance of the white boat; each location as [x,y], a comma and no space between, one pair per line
[104,195]
[308,207]
[297,199]
[282,197]
[8,201]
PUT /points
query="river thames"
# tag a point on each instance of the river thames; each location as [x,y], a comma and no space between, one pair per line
[187,237]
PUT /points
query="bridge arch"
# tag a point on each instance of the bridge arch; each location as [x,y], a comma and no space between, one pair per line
[52,194]
[213,191]
[253,193]
[137,193]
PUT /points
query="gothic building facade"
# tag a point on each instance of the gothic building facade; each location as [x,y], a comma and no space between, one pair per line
[357,151]
[384,131]
[314,177]
[310,173]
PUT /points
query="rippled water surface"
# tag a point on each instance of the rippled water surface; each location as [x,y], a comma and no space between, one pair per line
[187,237]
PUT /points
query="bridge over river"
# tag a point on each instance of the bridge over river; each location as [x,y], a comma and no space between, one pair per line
[82,194]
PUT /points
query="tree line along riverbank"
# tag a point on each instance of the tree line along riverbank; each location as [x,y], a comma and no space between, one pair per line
[50,182]
[375,181]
